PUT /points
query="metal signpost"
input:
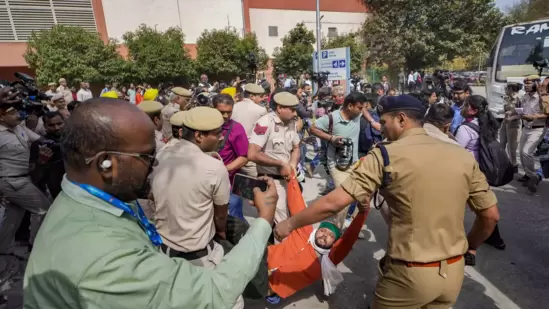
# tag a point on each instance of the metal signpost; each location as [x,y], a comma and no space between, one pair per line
[337,61]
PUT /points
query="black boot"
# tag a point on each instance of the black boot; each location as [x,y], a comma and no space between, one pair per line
[495,240]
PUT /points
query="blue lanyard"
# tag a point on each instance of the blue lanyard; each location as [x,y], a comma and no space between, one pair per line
[150,229]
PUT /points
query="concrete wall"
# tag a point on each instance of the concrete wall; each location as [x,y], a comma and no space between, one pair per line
[193,16]
[285,20]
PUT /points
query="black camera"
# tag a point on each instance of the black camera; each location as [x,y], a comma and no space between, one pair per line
[29,98]
[345,149]
[540,65]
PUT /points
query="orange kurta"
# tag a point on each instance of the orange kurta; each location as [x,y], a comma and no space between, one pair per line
[294,263]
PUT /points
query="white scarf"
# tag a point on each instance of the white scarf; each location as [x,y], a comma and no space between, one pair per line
[330,275]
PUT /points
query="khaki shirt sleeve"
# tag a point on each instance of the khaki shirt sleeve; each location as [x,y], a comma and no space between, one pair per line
[365,178]
[221,186]
[481,197]
[544,101]
[260,132]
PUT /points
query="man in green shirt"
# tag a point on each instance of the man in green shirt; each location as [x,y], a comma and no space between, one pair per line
[95,248]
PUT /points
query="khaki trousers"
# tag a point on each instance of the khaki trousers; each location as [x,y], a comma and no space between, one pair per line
[529,141]
[339,177]
[281,212]
[249,169]
[509,139]
[213,259]
[403,287]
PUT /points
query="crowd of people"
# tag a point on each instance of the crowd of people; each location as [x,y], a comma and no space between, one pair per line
[131,203]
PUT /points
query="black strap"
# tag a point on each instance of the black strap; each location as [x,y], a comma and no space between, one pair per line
[471,125]
[330,124]
[385,155]
[226,137]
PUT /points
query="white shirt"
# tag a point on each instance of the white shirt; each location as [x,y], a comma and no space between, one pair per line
[247,113]
[83,95]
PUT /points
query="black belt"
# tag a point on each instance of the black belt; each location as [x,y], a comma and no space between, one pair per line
[273,176]
[537,127]
[17,176]
[189,256]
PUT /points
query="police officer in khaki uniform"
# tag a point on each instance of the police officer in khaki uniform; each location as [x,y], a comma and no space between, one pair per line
[153,109]
[191,190]
[15,184]
[274,147]
[424,266]
[176,122]
[178,100]
[247,112]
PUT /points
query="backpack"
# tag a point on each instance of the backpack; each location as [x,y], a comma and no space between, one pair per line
[493,160]
[367,138]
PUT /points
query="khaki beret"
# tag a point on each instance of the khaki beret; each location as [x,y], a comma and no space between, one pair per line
[285,99]
[182,92]
[532,77]
[52,84]
[57,97]
[203,118]
[253,88]
[177,118]
[150,107]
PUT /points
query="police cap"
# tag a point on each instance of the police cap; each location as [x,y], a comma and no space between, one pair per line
[177,118]
[285,99]
[203,118]
[150,107]
[57,97]
[182,92]
[402,102]
[253,88]
[532,77]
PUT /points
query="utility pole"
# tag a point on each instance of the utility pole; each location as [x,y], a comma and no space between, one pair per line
[318,34]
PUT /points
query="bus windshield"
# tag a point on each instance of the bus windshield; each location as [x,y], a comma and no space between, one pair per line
[520,47]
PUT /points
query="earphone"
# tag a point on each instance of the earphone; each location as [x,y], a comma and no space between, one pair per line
[106,164]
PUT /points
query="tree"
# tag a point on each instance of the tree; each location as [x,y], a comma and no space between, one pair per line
[295,55]
[528,10]
[75,54]
[159,56]
[223,54]
[352,40]
[416,34]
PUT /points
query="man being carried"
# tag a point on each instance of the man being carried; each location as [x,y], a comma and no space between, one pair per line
[309,254]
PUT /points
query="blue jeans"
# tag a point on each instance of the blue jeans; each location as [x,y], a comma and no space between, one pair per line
[303,150]
[235,207]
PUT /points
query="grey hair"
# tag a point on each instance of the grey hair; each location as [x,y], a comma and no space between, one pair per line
[89,130]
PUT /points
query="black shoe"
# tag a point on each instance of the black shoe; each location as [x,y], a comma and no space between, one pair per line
[523,179]
[533,184]
[496,243]
[515,169]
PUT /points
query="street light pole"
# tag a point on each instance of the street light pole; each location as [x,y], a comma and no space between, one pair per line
[318,34]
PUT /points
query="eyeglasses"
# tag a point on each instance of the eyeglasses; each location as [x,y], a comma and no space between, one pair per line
[145,156]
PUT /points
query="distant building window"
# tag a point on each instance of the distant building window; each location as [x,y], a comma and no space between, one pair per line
[18,18]
[332,31]
[273,31]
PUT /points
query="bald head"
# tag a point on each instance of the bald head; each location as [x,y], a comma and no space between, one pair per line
[103,124]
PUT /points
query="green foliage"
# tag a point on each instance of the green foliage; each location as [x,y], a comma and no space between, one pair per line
[223,54]
[528,10]
[351,40]
[295,55]
[158,56]
[417,34]
[75,54]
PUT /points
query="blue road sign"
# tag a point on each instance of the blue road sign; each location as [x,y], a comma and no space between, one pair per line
[324,54]
[335,64]
[341,63]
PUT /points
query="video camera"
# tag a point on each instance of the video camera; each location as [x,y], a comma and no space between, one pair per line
[320,78]
[29,98]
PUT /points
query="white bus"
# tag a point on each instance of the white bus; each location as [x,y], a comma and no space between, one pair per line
[517,48]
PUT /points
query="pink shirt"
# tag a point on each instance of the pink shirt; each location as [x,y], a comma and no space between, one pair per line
[236,144]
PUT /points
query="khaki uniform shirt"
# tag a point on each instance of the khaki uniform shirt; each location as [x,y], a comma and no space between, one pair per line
[158,136]
[15,150]
[276,140]
[436,133]
[167,113]
[246,112]
[89,254]
[186,185]
[531,106]
[427,214]
[544,104]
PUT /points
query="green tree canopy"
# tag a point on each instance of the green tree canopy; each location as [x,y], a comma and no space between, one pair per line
[528,10]
[75,54]
[224,54]
[159,56]
[352,40]
[417,34]
[295,55]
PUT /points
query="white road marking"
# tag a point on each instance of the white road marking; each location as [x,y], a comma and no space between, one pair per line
[379,254]
[500,300]
[372,235]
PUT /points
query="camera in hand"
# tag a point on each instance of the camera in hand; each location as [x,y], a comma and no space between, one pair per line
[344,153]
[29,98]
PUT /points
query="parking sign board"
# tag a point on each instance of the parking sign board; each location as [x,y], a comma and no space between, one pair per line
[336,61]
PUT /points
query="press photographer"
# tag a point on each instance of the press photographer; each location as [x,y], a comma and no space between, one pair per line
[15,184]
[46,161]
[341,130]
